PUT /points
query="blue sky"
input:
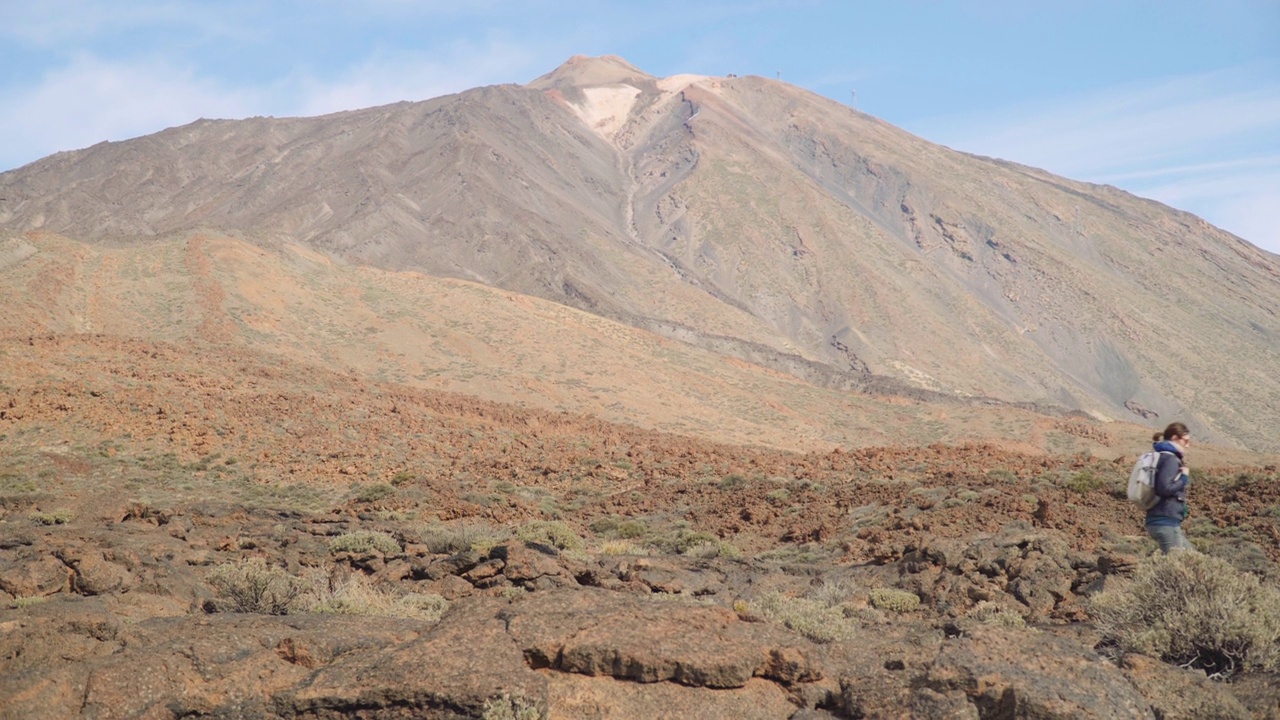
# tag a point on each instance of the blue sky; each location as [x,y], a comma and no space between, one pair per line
[1176,100]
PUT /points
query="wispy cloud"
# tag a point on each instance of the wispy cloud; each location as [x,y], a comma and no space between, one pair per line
[387,77]
[1207,143]
[62,23]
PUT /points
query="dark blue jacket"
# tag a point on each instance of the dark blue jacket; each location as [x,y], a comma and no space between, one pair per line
[1170,486]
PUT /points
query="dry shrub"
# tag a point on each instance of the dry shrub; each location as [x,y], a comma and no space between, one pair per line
[713,549]
[1193,610]
[355,595]
[252,586]
[622,547]
[813,619]
[550,532]
[833,593]
[363,541]
[990,613]
[444,539]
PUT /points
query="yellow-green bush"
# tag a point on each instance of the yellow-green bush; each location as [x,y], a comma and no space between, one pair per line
[61,516]
[813,619]
[893,600]
[1193,610]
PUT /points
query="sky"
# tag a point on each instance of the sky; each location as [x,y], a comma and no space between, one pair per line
[1175,100]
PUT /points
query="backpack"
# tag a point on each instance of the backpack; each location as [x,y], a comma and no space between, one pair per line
[1142,480]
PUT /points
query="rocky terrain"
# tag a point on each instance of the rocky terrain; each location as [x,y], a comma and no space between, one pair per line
[198,533]
[613,396]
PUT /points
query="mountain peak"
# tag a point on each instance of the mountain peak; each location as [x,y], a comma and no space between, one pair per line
[585,71]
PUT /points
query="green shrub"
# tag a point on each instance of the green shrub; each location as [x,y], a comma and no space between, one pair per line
[894,600]
[616,527]
[61,516]
[813,619]
[1084,482]
[1193,610]
[550,532]
[254,587]
[363,541]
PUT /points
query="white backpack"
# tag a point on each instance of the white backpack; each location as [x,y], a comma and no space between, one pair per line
[1142,480]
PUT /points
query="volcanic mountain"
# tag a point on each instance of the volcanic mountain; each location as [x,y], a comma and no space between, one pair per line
[739,218]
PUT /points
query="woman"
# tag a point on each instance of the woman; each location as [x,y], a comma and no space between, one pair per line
[1164,519]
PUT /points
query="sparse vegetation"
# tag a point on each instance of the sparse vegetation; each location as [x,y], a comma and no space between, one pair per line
[1085,481]
[550,532]
[713,549]
[623,529]
[21,602]
[1193,610]
[374,493]
[252,586]
[509,707]
[622,547]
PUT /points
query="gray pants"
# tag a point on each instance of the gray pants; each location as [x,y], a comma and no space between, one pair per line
[1170,537]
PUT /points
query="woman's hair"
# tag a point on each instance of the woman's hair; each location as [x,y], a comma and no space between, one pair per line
[1174,430]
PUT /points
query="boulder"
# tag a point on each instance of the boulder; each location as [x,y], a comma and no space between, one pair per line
[1033,674]
[1178,694]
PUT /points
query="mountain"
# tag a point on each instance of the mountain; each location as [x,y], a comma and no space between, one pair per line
[740,216]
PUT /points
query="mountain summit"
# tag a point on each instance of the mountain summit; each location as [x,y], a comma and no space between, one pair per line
[740,215]
[582,71]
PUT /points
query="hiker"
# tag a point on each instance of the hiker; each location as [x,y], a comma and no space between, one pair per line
[1164,518]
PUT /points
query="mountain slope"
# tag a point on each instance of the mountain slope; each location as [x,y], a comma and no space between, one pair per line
[743,216]
[212,293]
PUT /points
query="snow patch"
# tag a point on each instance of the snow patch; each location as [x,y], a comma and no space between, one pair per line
[606,109]
[676,83]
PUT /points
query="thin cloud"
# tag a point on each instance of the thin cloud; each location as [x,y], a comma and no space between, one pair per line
[90,100]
